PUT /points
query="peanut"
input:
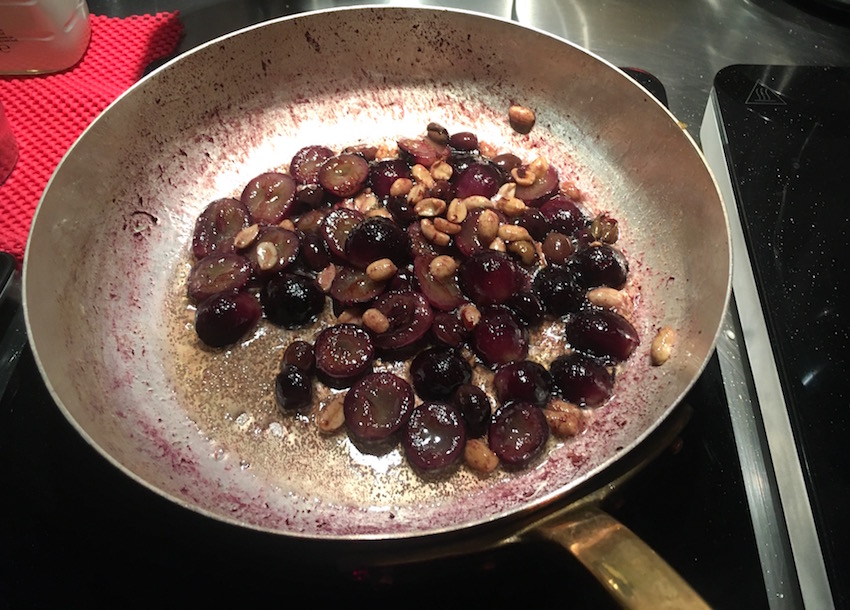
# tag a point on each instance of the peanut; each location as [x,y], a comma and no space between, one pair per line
[456,212]
[522,176]
[287,224]
[513,233]
[524,251]
[662,345]
[381,270]
[442,267]
[430,207]
[479,456]
[611,298]
[521,118]
[422,175]
[246,236]
[470,316]
[488,226]
[512,208]
[331,416]
[375,320]
[563,423]
[326,277]
[441,224]
[401,187]
[441,171]
[266,255]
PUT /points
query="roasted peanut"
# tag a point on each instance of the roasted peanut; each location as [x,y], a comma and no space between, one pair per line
[381,270]
[611,298]
[326,277]
[522,176]
[498,244]
[441,171]
[432,234]
[287,224]
[266,255]
[662,345]
[379,211]
[488,226]
[429,207]
[441,224]
[456,211]
[523,250]
[470,316]
[513,233]
[563,423]
[422,175]
[521,118]
[512,208]
[331,416]
[539,167]
[477,201]
[375,320]
[442,267]
[571,190]
[401,187]
[350,316]
[417,193]
[478,456]
[246,236]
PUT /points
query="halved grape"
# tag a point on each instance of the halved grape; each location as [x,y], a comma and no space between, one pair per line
[377,407]
[376,238]
[542,188]
[383,174]
[524,381]
[343,175]
[423,151]
[506,162]
[518,433]
[600,265]
[269,197]
[475,407]
[498,338]
[535,222]
[464,140]
[481,178]
[314,251]
[410,317]
[488,277]
[443,294]
[354,287]
[293,388]
[336,227]
[557,289]
[286,247]
[564,215]
[299,353]
[311,221]
[527,307]
[602,333]
[344,353]
[217,273]
[437,371]
[448,329]
[581,379]
[434,437]
[420,245]
[217,226]
[224,318]
[469,241]
[305,164]
[292,301]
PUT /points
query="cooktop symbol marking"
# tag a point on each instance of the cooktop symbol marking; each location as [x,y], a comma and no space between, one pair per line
[762,95]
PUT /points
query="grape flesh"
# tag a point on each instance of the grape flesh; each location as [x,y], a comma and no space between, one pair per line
[434,436]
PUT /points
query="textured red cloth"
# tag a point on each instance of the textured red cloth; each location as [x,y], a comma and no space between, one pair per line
[48,113]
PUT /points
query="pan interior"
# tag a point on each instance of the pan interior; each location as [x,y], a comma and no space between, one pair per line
[111,238]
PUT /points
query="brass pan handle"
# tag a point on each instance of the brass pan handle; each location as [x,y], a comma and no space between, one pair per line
[632,573]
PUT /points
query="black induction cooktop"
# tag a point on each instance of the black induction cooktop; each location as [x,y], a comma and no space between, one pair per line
[785,133]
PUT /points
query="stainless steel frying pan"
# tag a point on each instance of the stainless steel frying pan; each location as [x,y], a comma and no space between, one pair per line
[108,254]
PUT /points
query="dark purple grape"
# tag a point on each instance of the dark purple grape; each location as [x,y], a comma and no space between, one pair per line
[224,318]
[344,353]
[383,174]
[564,215]
[442,294]
[343,175]
[460,160]
[524,381]
[336,227]
[581,379]
[475,407]
[311,196]
[443,189]
[354,287]
[217,226]
[448,329]
[469,240]
[434,437]
[286,248]
[311,221]
[541,189]
[217,273]
[518,433]
[464,140]
[422,151]
[314,251]
[292,301]
[269,197]
[535,222]
[437,371]
[410,317]
[377,407]
[305,164]
[293,388]
[404,279]
[299,353]
[602,333]
[481,178]
[527,308]
[419,244]
[600,265]
[376,238]
[506,162]
[557,290]
[488,277]
[367,151]
[499,339]
[403,211]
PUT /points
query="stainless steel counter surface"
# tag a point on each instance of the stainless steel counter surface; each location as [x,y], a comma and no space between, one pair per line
[682,42]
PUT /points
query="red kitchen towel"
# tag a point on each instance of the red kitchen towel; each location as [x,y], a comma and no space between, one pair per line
[48,113]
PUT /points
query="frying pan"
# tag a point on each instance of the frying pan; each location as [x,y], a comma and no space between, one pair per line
[107,257]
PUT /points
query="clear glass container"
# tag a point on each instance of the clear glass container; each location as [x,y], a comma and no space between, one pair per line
[41,36]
